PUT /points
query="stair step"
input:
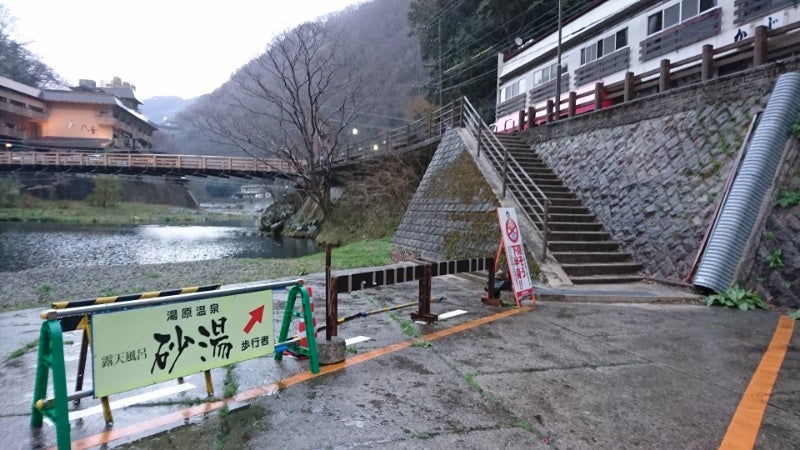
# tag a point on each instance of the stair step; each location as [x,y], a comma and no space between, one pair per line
[563,209]
[582,246]
[574,226]
[605,279]
[591,257]
[572,217]
[576,239]
[588,269]
[581,236]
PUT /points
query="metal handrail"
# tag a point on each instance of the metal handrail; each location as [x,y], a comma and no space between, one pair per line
[484,136]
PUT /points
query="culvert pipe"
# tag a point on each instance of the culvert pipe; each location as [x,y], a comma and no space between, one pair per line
[734,225]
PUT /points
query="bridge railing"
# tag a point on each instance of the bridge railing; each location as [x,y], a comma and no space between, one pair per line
[424,130]
[146,161]
[427,129]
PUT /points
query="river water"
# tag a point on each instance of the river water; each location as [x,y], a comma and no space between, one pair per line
[50,245]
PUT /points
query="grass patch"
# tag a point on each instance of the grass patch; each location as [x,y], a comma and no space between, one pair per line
[230,385]
[352,349]
[408,328]
[351,256]
[524,424]
[21,351]
[470,379]
[123,213]
[44,289]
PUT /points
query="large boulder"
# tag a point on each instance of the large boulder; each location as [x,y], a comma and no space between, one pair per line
[274,218]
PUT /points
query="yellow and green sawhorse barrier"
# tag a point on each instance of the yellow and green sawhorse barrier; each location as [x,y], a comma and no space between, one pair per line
[50,358]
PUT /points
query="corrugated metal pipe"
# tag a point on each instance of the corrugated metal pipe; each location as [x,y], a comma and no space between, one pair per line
[734,225]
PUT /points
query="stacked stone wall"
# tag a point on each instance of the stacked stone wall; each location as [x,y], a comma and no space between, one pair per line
[453,212]
[653,170]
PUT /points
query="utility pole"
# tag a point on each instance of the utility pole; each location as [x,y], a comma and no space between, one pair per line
[440,62]
[558,66]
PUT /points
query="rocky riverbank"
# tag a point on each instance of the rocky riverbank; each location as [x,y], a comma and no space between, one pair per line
[35,288]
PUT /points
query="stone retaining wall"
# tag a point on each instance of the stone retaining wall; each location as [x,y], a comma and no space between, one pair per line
[652,171]
[453,212]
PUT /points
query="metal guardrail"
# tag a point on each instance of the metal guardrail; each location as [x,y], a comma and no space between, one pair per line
[500,158]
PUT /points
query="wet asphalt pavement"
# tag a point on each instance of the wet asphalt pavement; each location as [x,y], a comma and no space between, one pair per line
[565,374]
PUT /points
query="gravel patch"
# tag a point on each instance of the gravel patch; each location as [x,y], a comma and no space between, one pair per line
[35,288]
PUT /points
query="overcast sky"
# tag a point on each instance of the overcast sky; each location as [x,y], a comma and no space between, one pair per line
[183,48]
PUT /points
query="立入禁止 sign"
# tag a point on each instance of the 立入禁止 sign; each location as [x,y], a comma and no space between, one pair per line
[515,253]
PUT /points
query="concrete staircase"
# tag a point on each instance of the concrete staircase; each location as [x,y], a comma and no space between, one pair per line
[577,240]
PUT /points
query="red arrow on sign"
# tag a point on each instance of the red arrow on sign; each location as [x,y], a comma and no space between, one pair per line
[256,316]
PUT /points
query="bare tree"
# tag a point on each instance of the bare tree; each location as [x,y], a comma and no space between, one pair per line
[295,102]
[18,63]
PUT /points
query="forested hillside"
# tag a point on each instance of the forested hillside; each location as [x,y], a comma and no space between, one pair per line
[460,40]
[383,59]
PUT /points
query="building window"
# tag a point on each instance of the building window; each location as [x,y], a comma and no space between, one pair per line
[677,13]
[689,9]
[512,90]
[604,46]
[549,73]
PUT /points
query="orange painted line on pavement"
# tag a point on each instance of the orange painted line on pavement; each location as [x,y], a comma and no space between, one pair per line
[272,388]
[743,429]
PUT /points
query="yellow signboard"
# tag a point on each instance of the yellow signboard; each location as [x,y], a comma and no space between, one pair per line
[139,347]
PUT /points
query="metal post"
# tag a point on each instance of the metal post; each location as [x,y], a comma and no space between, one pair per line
[531,116]
[480,130]
[521,119]
[545,228]
[505,169]
[549,110]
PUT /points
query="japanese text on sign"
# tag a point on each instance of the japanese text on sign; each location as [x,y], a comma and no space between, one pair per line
[139,347]
[515,253]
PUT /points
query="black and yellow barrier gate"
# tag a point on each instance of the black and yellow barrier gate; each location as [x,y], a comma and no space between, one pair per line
[72,323]
[139,343]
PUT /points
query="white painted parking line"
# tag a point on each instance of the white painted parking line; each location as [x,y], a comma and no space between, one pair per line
[450,314]
[356,340]
[125,402]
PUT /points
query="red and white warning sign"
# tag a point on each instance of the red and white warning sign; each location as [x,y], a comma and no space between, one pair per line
[515,253]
